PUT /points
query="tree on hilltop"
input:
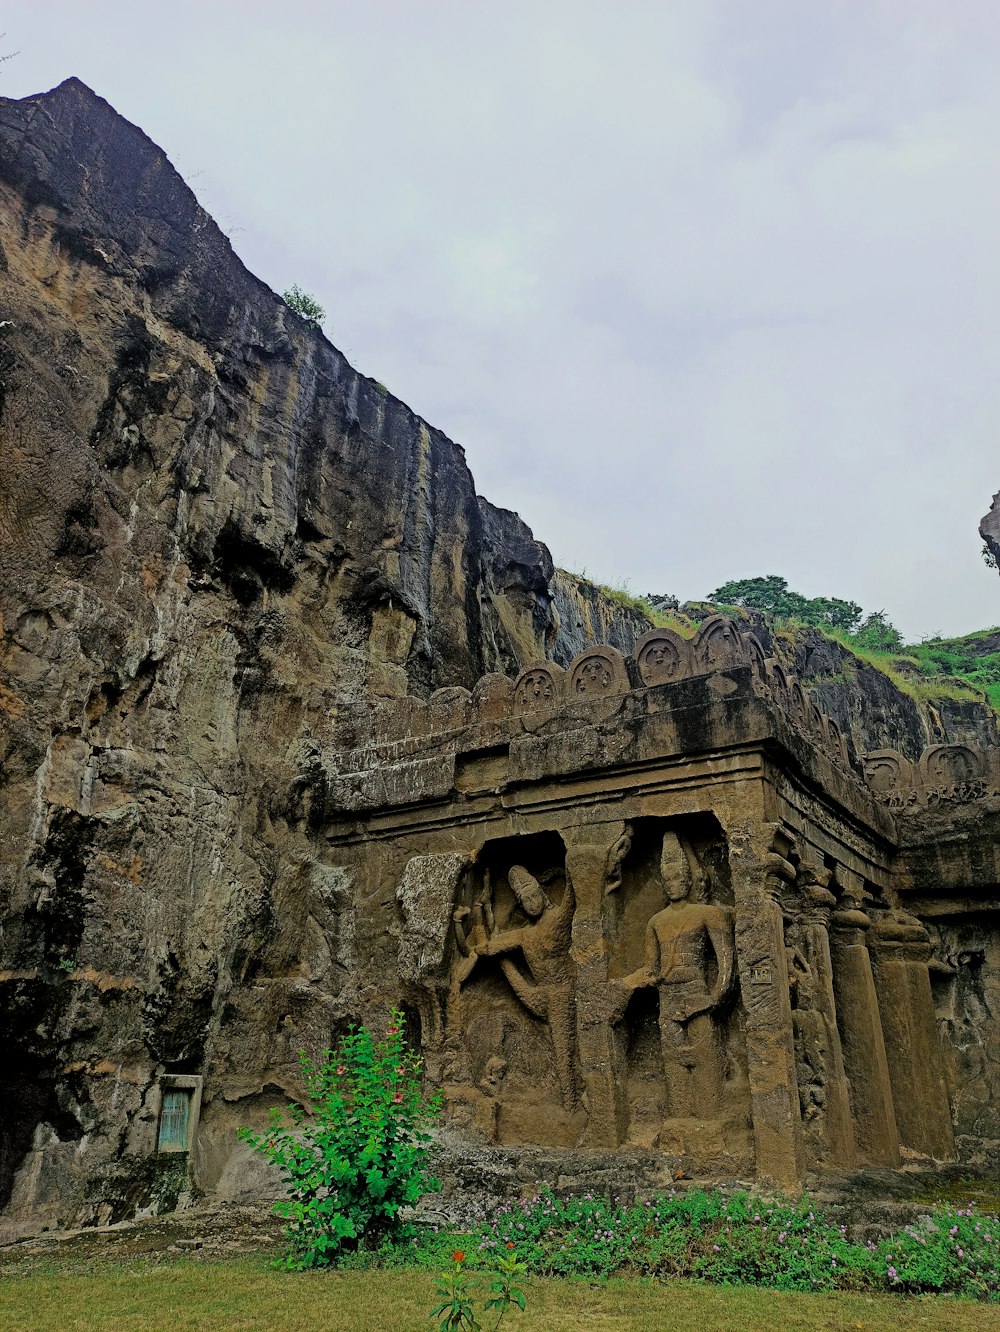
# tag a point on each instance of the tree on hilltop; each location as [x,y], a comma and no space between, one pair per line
[771,595]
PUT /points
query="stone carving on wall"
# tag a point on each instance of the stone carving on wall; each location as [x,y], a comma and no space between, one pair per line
[512,939]
[538,686]
[598,673]
[690,961]
[547,991]
[812,1040]
[395,767]
[953,774]
[890,777]
[473,927]
[719,645]
[662,656]
[943,775]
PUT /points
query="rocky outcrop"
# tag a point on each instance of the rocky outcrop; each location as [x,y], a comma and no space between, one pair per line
[867,704]
[216,536]
[587,614]
[989,528]
[215,532]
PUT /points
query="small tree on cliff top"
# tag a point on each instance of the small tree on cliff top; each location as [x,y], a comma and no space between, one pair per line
[303,304]
[772,595]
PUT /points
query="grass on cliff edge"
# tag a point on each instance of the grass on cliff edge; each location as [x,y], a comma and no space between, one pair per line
[929,672]
[246,1293]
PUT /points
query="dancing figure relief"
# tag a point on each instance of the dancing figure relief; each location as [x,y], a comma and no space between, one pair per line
[546,987]
[686,942]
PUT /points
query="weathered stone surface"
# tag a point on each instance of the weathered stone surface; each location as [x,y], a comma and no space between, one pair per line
[247,798]
[215,534]
[989,528]
[635,851]
[426,895]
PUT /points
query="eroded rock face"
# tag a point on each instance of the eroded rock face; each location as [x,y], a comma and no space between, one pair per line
[214,533]
[989,528]
[217,537]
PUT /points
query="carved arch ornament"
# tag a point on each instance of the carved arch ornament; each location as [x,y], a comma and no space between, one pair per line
[944,774]
[599,674]
[661,657]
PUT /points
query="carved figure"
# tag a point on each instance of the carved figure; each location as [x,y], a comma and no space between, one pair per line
[683,941]
[812,1039]
[548,989]
[473,927]
[493,1075]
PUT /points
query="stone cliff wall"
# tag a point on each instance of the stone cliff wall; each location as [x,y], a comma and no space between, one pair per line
[214,535]
[214,532]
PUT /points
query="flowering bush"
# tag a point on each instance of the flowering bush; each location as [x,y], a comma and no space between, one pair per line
[457,1310]
[359,1154]
[957,1250]
[739,1239]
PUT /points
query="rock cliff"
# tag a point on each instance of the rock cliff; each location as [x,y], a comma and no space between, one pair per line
[989,528]
[215,534]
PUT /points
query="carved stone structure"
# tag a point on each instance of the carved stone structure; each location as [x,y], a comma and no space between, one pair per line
[662,911]
[682,920]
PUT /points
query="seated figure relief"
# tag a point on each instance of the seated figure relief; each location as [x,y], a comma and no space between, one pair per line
[690,960]
[546,986]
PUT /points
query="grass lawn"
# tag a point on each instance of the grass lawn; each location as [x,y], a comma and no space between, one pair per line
[247,1293]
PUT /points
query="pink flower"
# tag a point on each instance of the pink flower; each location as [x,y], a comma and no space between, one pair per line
[398,1098]
[392,1031]
[341,1070]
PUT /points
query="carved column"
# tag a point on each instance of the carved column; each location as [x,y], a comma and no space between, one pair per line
[818,902]
[860,1026]
[901,950]
[601,1060]
[757,875]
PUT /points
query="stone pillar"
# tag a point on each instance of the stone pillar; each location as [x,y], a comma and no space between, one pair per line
[901,950]
[818,902]
[601,1060]
[860,1026]
[757,874]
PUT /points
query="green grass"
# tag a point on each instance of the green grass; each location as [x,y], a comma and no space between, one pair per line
[247,1294]
[623,596]
[934,671]
[929,672]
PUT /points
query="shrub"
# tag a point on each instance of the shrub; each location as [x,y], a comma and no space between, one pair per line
[744,1240]
[457,1309]
[359,1155]
[303,304]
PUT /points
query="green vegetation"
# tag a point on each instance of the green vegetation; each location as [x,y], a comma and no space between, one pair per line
[961,669]
[772,596]
[457,1293]
[361,1153]
[248,1293]
[303,304]
[742,1240]
[936,669]
[965,669]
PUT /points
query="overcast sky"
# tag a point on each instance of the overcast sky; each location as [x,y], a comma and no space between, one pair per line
[705,290]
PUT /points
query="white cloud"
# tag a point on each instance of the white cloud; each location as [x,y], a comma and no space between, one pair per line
[705,289]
